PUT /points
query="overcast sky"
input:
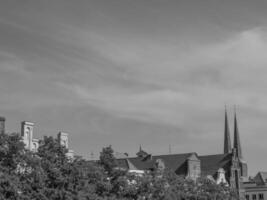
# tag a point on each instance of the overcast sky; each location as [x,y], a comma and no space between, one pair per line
[130,72]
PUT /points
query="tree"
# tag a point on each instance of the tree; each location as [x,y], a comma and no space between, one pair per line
[11,151]
[107,159]
[49,174]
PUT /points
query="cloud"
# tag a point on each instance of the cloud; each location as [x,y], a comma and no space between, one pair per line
[142,68]
[207,77]
[11,63]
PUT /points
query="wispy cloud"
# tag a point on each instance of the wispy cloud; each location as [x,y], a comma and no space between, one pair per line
[126,67]
[205,77]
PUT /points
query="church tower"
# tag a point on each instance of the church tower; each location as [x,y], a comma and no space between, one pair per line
[227,140]
[237,143]
[238,150]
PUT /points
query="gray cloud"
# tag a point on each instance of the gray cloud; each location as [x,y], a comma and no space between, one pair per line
[157,73]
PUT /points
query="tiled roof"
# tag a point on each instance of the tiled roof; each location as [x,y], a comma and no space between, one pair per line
[211,163]
[263,176]
[172,161]
[177,162]
[122,163]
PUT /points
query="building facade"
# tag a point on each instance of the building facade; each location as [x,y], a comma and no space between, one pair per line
[256,188]
[228,167]
[27,136]
[31,143]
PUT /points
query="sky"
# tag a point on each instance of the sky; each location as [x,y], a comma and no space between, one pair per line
[156,73]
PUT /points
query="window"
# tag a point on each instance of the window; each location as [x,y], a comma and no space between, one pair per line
[254,197]
[261,197]
[247,197]
[27,133]
[35,147]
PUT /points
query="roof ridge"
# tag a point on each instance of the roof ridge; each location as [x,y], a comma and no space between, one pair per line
[176,154]
[219,154]
[161,155]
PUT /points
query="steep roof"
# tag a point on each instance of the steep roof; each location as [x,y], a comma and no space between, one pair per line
[171,161]
[211,163]
[177,162]
[227,140]
[237,143]
[261,178]
[264,176]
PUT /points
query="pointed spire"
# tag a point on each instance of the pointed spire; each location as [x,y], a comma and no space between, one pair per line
[237,143]
[227,140]
[141,152]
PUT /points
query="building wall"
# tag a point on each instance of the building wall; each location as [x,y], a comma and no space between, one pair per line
[256,193]
[27,134]
[221,177]
[193,167]
[244,169]
[63,139]
[35,145]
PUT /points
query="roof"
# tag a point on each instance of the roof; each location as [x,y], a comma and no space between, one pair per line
[141,153]
[120,155]
[211,163]
[264,176]
[171,161]
[261,178]
[177,162]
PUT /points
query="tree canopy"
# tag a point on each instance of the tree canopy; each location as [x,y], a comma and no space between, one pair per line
[49,175]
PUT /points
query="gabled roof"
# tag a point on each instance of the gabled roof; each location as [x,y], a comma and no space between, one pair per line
[177,162]
[141,153]
[211,163]
[264,176]
[171,161]
[261,178]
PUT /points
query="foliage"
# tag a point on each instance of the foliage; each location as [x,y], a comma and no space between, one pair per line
[107,159]
[49,174]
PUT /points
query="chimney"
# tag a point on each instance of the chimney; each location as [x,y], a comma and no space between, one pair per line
[2,125]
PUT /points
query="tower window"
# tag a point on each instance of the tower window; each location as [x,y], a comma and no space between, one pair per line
[254,197]
[247,197]
[261,196]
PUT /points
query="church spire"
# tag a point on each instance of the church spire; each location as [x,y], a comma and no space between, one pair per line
[237,144]
[227,140]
